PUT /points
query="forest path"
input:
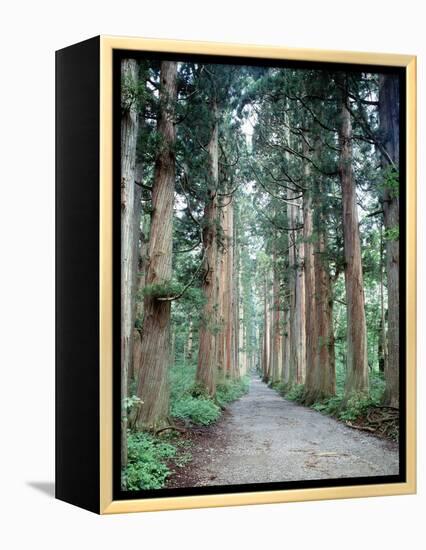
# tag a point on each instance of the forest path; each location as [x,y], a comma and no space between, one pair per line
[265,438]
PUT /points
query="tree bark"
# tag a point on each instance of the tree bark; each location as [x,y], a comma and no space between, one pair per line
[228,295]
[276,328]
[266,331]
[140,285]
[389,129]
[297,303]
[206,368]
[292,333]
[129,132]
[301,314]
[189,345]
[235,302]
[222,290]
[325,368]
[286,347]
[382,350]
[137,244]
[271,326]
[153,386]
[310,292]
[357,365]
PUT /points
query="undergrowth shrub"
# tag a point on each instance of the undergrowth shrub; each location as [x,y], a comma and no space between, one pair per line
[338,406]
[182,378]
[148,454]
[230,390]
[145,468]
[295,393]
[329,406]
[281,388]
[354,407]
[199,410]
[189,401]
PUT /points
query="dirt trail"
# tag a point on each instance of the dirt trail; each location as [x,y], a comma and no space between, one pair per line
[263,438]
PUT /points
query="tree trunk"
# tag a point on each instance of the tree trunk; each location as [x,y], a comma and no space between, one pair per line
[357,365]
[325,368]
[189,344]
[137,349]
[222,295]
[276,328]
[140,284]
[310,305]
[271,328]
[235,285]
[286,347]
[141,268]
[153,387]
[206,368]
[297,303]
[383,345]
[389,129]
[229,300]
[242,341]
[292,359]
[137,244]
[129,132]
[266,337]
[300,312]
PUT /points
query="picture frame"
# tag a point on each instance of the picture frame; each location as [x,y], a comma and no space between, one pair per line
[87,436]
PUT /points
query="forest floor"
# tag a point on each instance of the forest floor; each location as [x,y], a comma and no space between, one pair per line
[265,438]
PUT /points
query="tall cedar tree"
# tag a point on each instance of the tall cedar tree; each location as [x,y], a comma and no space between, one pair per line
[153,383]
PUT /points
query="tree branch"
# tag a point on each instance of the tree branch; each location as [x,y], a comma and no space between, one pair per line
[140,184]
[185,288]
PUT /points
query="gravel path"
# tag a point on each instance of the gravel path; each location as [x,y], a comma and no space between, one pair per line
[263,438]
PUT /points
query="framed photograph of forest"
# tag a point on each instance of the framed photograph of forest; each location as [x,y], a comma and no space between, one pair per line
[256,273]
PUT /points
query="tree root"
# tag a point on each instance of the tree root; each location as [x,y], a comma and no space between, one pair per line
[383,421]
[181,430]
[364,428]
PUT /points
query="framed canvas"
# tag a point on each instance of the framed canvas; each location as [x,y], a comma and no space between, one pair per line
[235,274]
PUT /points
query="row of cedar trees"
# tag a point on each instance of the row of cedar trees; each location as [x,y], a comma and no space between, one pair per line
[338,118]
[147,259]
[311,126]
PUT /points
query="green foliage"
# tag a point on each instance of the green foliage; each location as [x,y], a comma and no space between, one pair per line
[182,376]
[377,387]
[330,406]
[199,410]
[231,390]
[133,93]
[280,387]
[132,403]
[198,390]
[296,393]
[338,405]
[146,468]
[344,409]
[392,233]
[390,182]
[163,290]
[189,401]
[355,406]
